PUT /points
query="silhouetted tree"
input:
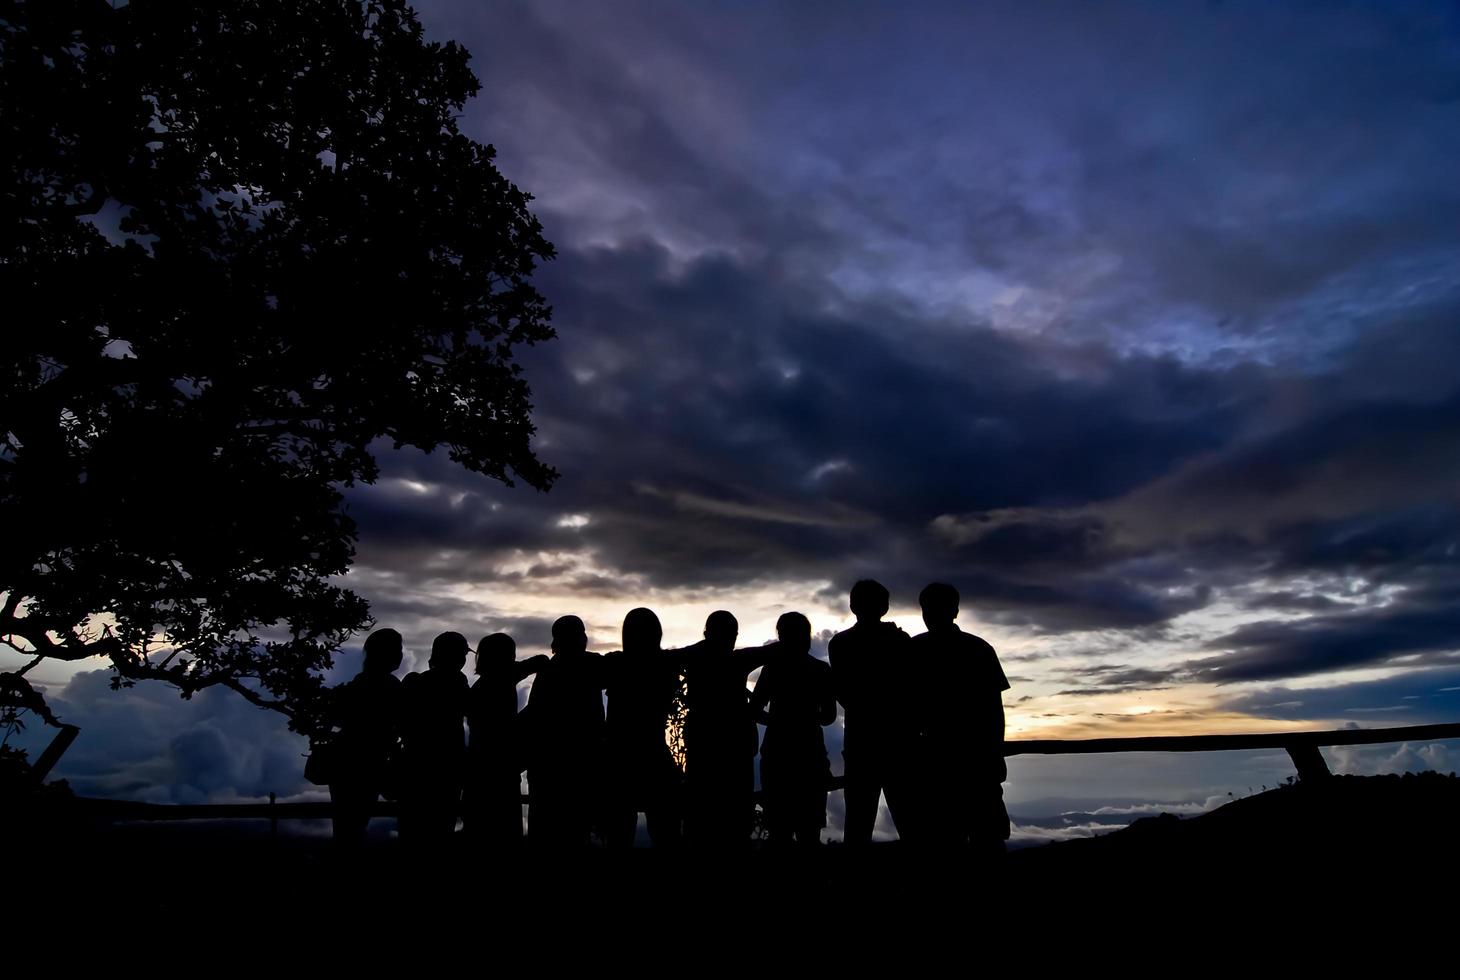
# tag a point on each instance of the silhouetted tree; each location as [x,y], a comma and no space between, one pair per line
[240,242]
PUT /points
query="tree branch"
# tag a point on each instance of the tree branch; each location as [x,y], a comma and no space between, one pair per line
[90,205]
[137,671]
[35,633]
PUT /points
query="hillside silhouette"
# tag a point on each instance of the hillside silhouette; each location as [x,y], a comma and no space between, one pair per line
[1380,828]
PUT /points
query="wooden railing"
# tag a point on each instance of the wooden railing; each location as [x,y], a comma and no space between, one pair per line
[1302,747]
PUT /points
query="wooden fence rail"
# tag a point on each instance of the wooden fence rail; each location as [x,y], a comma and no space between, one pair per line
[1301,746]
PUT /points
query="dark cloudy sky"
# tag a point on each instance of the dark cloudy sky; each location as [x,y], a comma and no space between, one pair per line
[1138,322]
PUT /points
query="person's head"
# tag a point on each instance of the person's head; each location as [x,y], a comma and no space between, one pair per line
[497,650]
[794,631]
[869,600]
[383,652]
[940,605]
[721,629]
[448,652]
[642,630]
[569,635]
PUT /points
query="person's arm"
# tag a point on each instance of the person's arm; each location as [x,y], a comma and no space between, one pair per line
[336,707]
[840,667]
[761,696]
[749,658]
[998,684]
[678,659]
[525,668]
[825,698]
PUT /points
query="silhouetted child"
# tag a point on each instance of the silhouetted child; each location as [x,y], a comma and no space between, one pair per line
[868,669]
[640,774]
[493,796]
[793,699]
[435,742]
[719,736]
[367,712]
[565,730]
[961,718]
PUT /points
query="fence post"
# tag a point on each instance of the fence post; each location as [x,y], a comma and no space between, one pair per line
[273,817]
[1309,761]
[48,759]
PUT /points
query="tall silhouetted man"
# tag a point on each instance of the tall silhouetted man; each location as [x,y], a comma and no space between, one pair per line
[793,698]
[641,777]
[495,753]
[435,741]
[367,712]
[868,668]
[961,717]
[565,726]
[719,736]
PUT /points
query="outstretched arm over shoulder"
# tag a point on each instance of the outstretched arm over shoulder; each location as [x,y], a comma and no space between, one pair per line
[761,696]
[825,697]
[525,668]
[749,658]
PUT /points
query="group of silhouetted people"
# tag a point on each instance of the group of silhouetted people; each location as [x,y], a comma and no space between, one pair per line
[924,725]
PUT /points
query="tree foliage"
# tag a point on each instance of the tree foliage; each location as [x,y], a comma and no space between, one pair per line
[242,244]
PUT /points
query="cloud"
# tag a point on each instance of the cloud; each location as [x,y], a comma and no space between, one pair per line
[1275,649]
[146,743]
[1419,696]
[1370,760]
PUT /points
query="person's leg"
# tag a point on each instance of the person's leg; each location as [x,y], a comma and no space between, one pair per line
[901,787]
[811,817]
[445,805]
[351,802]
[861,793]
[544,809]
[663,815]
[780,820]
[505,819]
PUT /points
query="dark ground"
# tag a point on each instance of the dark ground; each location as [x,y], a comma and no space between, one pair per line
[1278,873]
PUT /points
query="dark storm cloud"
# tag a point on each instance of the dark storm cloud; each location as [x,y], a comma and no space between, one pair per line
[713,430]
[1292,602]
[1278,649]
[1204,350]
[1114,678]
[1421,697]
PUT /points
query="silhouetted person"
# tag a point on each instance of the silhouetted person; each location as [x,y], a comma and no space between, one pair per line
[961,717]
[641,777]
[719,736]
[868,661]
[367,712]
[793,699]
[495,760]
[435,743]
[565,728]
